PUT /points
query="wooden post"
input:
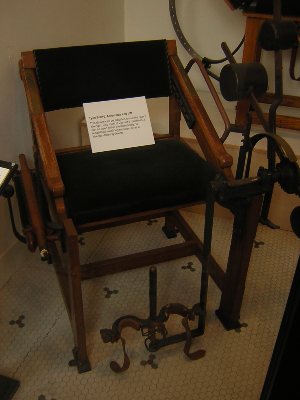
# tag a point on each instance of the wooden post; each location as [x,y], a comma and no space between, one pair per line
[244,231]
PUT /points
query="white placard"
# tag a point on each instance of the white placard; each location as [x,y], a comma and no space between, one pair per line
[3,174]
[118,124]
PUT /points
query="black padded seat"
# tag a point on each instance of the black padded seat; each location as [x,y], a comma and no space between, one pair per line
[117,183]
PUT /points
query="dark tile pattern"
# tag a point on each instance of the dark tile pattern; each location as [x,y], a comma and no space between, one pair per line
[109,292]
[18,321]
[258,243]
[189,266]
[150,362]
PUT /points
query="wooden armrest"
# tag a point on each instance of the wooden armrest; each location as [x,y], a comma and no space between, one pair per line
[203,129]
[270,16]
[42,139]
[47,155]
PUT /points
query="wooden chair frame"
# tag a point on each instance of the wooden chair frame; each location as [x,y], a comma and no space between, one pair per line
[231,280]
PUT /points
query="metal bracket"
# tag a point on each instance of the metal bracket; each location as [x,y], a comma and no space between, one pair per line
[183,104]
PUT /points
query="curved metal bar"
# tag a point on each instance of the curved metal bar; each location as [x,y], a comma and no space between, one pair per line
[180,35]
[196,354]
[283,149]
[115,334]
[149,328]
[183,40]
[214,95]
[126,362]
[20,237]
[280,142]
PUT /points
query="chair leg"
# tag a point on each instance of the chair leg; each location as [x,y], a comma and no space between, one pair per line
[208,228]
[169,228]
[244,231]
[75,299]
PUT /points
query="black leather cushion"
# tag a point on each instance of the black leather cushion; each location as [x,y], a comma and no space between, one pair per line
[116,183]
[71,76]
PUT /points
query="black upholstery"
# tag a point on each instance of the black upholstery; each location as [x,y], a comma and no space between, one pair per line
[70,76]
[288,7]
[111,184]
[115,183]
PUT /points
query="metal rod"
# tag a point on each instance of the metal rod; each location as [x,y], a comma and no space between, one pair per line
[213,92]
[277,10]
[179,337]
[152,293]
[20,237]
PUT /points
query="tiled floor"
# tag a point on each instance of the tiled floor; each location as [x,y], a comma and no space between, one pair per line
[36,339]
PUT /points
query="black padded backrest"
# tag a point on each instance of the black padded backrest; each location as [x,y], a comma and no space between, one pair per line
[288,7]
[71,76]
